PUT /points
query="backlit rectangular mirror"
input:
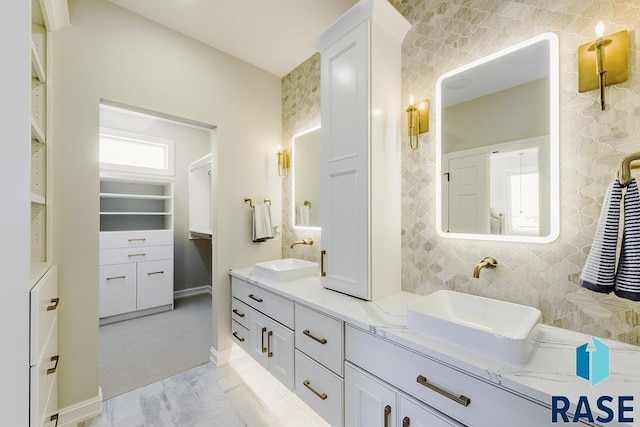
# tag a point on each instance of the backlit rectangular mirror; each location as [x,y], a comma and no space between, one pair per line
[306,180]
[497,146]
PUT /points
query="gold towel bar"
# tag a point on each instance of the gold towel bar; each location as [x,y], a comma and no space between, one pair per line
[250,201]
[624,169]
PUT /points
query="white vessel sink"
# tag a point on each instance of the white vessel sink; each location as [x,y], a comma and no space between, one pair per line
[495,329]
[282,270]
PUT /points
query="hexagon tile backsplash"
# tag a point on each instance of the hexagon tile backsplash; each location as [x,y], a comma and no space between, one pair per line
[446,35]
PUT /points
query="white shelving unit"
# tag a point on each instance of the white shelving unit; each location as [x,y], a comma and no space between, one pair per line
[200,197]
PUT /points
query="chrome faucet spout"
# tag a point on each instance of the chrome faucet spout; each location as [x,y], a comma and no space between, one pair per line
[486,262]
[307,241]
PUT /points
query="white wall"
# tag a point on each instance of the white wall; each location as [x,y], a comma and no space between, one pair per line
[15,160]
[112,54]
[192,258]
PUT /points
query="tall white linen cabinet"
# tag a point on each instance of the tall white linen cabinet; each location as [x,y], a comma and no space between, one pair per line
[360,97]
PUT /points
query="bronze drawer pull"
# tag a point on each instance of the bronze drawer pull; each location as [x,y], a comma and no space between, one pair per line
[54,304]
[155,272]
[264,349]
[54,417]
[255,298]
[116,277]
[322,254]
[320,340]
[132,255]
[307,384]
[138,239]
[239,338]
[461,399]
[269,352]
[238,313]
[387,412]
[55,367]
[406,421]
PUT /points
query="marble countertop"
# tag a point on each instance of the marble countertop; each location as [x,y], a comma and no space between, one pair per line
[550,371]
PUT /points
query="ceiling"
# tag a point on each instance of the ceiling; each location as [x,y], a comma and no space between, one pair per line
[275,35]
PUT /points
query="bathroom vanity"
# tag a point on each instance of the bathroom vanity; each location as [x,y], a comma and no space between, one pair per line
[356,363]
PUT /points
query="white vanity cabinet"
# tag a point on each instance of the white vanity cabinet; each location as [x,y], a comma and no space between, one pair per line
[360,74]
[370,402]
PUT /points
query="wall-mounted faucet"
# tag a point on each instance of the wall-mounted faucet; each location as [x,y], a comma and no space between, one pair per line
[307,241]
[487,262]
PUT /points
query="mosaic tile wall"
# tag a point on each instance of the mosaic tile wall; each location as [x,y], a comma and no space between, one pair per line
[448,34]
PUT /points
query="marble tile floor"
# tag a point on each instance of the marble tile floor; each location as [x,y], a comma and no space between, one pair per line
[241,393]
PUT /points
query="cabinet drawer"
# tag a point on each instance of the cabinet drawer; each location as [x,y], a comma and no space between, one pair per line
[154,284]
[319,388]
[240,335]
[320,337]
[121,256]
[240,312]
[43,377]
[44,311]
[117,289]
[132,239]
[429,381]
[274,306]
[416,414]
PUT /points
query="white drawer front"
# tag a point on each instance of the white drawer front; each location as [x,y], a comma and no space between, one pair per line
[155,284]
[117,289]
[415,414]
[274,306]
[240,335]
[121,256]
[240,312]
[133,239]
[319,388]
[44,311]
[320,337]
[403,368]
[43,378]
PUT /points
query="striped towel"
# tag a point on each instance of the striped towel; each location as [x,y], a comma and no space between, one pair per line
[628,275]
[599,271]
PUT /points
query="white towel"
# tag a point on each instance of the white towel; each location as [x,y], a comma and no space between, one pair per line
[599,271]
[302,216]
[262,228]
[628,275]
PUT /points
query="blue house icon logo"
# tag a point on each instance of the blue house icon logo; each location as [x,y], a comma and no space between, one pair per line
[592,364]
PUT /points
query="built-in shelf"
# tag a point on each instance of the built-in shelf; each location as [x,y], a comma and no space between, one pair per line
[37,132]
[135,213]
[38,199]
[133,196]
[36,64]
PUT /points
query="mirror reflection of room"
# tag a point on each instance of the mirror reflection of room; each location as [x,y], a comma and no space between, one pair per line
[496,146]
[306,182]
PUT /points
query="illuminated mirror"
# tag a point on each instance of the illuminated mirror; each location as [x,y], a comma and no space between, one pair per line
[306,180]
[497,146]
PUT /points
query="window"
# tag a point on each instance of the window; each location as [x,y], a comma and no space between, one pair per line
[137,153]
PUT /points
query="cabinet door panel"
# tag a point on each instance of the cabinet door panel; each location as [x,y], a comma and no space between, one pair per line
[280,353]
[155,283]
[419,415]
[368,402]
[258,328]
[117,289]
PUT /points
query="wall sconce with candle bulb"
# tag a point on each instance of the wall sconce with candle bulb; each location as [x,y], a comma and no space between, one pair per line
[284,161]
[418,121]
[596,70]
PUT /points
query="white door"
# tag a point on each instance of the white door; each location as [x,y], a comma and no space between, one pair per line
[468,209]
[155,283]
[258,328]
[345,135]
[368,402]
[280,353]
[414,414]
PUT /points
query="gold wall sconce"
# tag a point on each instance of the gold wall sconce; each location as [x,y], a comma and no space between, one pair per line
[597,70]
[284,161]
[418,121]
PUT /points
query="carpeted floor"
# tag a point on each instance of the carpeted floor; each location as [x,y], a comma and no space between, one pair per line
[141,351]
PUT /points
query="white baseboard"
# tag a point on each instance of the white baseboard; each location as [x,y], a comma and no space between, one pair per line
[220,358]
[82,411]
[198,290]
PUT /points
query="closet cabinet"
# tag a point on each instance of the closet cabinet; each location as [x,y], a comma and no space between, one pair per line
[360,93]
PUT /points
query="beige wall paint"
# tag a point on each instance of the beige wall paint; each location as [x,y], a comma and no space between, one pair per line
[112,54]
[446,35]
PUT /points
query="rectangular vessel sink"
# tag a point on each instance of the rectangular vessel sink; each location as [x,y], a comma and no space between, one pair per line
[496,329]
[282,270]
